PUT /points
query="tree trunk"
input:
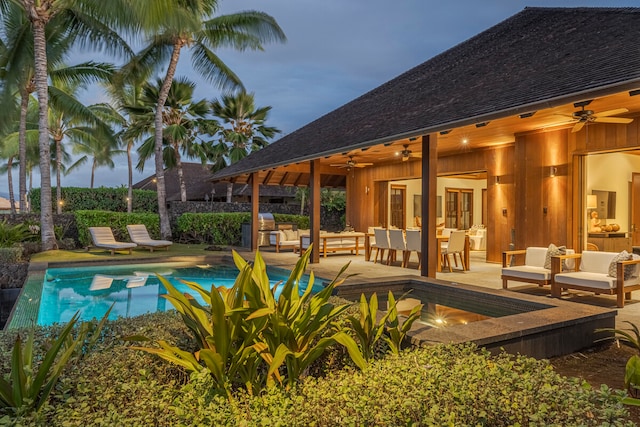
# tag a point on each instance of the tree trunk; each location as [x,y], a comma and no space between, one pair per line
[40,57]
[183,187]
[58,183]
[130,191]
[302,195]
[22,149]
[93,172]
[165,227]
[12,198]
[229,191]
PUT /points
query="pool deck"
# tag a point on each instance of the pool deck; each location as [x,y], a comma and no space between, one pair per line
[482,275]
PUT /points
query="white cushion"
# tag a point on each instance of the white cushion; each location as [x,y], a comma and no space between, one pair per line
[596,261]
[527,272]
[591,280]
[535,256]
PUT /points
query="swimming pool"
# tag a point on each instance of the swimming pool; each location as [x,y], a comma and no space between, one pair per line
[134,289]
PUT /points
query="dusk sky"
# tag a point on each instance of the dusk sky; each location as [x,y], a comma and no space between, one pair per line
[336,51]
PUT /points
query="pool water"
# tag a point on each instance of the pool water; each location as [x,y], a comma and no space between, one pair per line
[134,289]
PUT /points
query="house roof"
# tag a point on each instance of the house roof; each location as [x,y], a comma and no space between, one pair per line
[198,183]
[538,59]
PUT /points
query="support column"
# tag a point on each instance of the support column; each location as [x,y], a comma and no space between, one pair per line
[429,203]
[255,206]
[314,211]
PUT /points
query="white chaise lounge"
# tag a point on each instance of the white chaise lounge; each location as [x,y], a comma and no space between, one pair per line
[594,275]
[140,236]
[102,237]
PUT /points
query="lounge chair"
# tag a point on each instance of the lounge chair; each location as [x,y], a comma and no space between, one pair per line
[140,236]
[102,237]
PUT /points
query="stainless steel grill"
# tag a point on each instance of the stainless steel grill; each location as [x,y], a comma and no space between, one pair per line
[266,224]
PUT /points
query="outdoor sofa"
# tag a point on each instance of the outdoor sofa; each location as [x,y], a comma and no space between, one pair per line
[608,273]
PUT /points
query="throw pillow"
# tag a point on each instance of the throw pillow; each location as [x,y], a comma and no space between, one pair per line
[554,250]
[291,234]
[628,269]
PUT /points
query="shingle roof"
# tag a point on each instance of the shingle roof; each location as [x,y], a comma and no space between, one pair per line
[538,58]
[198,182]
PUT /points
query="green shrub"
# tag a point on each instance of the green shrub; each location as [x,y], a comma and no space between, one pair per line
[107,199]
[301,221]
[222,228]
[455,385]
[118,222]
[436,385]
[11,255]
[212,228]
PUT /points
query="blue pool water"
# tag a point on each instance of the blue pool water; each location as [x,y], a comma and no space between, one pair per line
[134,289]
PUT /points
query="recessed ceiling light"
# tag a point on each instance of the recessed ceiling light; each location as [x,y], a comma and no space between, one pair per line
[465,141]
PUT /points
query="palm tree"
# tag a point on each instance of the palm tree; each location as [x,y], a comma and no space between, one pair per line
[125,91]
[84,20]
[9,150]
[245,132]
[69,119]
[193,24]
[183,120]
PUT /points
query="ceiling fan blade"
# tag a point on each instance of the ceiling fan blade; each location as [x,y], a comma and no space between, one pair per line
[339,166]
[612,112]
[405,158]
[578,126]
[418,155]
[612,120]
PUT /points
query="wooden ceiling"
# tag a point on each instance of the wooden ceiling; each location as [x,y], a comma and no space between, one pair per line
[457,140]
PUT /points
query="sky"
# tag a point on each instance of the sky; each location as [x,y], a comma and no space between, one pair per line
[336,50]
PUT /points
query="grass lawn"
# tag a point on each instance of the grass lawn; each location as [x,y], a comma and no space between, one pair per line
[176,250]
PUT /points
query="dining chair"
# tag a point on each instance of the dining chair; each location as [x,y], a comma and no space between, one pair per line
[381,244]
[455,246]
[414,244]
[396,243]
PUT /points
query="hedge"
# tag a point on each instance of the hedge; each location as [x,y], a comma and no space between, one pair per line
[107,199]
[221,228]
[438,385]
[118,222]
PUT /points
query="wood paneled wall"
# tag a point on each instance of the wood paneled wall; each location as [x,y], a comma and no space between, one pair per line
[530,203]
[544,207]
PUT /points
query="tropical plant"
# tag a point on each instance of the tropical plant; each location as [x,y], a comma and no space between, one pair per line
[368,329]
[299,322]
[193,24]
[395,331]
[12,234]
[632,369]
[244,133]
[184,120]
[241,326]
[30,383]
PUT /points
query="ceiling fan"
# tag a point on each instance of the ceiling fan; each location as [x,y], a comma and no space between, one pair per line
[406,153]
[588,116]
[351,164]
